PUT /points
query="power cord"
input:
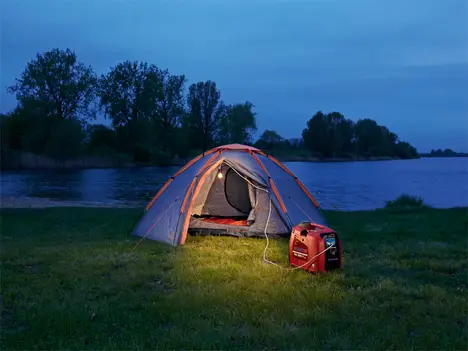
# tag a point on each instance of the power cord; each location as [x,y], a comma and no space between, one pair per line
[288,268]
[265,259]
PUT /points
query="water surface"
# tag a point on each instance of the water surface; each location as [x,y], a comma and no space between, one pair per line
[441,182]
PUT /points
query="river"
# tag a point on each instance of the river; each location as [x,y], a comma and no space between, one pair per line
[441,182]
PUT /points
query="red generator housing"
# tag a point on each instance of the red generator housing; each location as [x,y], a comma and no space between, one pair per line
[307,248]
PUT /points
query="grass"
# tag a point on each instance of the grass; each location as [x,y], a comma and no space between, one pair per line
[69,280]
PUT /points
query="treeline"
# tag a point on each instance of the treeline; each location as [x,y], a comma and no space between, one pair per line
[154,118]
[332,136]
[445,153]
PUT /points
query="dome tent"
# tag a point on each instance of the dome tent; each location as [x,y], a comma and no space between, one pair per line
[232,189]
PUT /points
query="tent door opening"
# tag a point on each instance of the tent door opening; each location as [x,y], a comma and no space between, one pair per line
[225,198]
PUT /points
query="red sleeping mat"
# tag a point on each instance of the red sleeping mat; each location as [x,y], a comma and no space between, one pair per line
[230,221]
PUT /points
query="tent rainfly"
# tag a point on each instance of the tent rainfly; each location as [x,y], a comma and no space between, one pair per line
[232,190]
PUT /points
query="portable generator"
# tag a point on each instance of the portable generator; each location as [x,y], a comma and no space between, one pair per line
[314,248]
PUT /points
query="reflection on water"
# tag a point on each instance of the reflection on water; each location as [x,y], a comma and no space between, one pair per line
[441,182]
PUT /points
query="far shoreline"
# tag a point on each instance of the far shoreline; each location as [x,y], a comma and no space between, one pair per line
[36,203]
[77,165]
[20,202]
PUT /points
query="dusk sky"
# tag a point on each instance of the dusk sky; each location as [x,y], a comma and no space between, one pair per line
[403,63]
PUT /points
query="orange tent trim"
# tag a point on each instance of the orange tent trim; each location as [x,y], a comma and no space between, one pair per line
[252,151]
[275,190]
[195,193]
[205,166]
[192,184]
[260,163]
[191,162]
[272,183]
[159,193]
[281,165]
[309,195]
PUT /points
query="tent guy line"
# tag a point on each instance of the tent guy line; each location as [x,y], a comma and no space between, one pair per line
[144,236]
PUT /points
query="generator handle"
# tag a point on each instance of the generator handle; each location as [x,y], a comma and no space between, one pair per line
[309,223]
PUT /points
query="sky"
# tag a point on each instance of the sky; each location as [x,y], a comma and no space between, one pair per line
[403,63]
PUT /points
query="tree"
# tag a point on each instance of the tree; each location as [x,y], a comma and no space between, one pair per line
[445,153]
[340,133]
[273,143]
[66,140]
[333,135]
[101,138]
[375,140]
[129,95]
[170,105]
[269,140]
[27,128]
[296,143]
[238,124]
[405,151]
[329,134]
[57,79]
[316,134]
[368,134]
[386,142]
[205,113]
[11,127]
[129,92]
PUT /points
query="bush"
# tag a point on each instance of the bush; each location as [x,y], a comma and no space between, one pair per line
[65,140]
[102,151]
[141,154]
[406,201]
[404,150]
[9,158]
[161,158]
[102,136]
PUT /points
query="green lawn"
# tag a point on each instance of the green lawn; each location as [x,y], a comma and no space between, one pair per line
[69,280]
